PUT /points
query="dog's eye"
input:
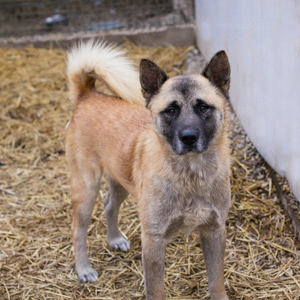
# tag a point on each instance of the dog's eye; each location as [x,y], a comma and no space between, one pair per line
[202,107]
[171,111]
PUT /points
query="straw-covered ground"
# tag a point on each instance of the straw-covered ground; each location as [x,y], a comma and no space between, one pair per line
[36,258]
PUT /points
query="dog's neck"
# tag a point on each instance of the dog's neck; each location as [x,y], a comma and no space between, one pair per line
[200,165]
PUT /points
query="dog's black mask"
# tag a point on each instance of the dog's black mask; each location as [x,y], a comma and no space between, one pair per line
[188,128]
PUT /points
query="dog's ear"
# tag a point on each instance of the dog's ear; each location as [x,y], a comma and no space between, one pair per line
[151,78]
[218,72]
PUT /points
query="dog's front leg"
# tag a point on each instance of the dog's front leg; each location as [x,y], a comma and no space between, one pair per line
[213,245]
[153,255]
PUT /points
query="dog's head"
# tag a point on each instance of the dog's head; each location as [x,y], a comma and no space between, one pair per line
[188,111]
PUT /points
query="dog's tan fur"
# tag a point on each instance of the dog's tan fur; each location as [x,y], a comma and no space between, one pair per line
[123,141]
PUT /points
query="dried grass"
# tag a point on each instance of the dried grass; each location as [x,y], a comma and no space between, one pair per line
[36,259]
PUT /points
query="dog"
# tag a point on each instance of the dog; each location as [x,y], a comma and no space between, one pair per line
[163,140]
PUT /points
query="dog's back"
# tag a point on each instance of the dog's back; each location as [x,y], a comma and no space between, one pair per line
[104,128]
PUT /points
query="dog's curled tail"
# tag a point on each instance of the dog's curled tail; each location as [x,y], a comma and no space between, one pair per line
[93,59]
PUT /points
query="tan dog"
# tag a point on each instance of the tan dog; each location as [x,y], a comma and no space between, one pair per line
[172,156]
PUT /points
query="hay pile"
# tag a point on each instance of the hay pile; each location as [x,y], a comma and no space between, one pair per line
[36,259]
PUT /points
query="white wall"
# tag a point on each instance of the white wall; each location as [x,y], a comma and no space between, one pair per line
[262,40]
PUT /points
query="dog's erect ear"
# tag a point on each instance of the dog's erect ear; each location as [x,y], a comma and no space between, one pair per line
[151,78]
[218,72]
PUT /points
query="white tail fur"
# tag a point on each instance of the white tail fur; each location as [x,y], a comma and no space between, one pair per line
[107,62]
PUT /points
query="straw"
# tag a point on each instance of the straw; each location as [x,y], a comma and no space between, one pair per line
[36,256]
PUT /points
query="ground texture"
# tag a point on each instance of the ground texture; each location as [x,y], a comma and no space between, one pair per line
[36,258]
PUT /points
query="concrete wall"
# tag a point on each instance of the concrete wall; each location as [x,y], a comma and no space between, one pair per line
[262,40]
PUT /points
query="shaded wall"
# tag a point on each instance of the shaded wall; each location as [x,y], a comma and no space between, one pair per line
[262,40]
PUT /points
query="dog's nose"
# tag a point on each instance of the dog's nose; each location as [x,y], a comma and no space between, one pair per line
[188,136]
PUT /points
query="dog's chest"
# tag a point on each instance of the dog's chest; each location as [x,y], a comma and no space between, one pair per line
[187,219]
[180,209]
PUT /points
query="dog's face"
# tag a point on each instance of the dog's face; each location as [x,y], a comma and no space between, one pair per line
[188,111]
[185,115]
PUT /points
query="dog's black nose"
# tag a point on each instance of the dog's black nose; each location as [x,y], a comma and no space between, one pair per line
[188,136]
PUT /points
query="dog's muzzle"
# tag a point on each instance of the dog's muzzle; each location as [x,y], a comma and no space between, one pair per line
[188,140]
[188,137]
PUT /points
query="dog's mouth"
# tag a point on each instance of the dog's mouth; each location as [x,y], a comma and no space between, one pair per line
[181,150]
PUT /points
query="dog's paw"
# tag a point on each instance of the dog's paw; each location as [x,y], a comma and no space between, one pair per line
[87,274]
[119,243]
[222,296]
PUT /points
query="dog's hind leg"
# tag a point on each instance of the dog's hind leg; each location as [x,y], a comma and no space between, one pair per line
[85,187]
[116,196]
